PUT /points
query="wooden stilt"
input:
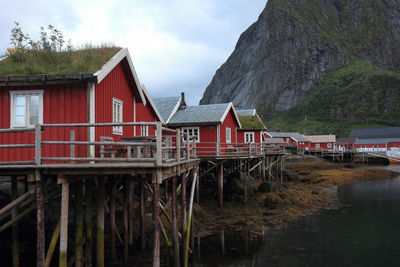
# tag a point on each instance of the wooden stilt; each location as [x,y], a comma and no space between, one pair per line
[141,203]
[175,223]
[183,205]
[100,223]
[221,185]
[197,186]
[78,224]
[53,244]
[88,223]
[41,249]
[131,197]
[125,217]
[263,169]
[112,219]
[14,213]
[156,230]
[244,172]
[166,190]
[222,237]
[64,223]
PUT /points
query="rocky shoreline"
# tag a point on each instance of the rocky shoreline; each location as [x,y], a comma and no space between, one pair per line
[310,186]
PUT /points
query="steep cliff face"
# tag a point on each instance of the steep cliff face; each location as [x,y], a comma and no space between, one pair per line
[282,57]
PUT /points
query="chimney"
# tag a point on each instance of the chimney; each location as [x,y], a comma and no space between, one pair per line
[183,105]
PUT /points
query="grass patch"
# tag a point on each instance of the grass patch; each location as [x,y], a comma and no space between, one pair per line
[87,59]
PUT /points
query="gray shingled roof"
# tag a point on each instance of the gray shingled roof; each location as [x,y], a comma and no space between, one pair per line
[166,106]
[385,132]
[296,136]
[274,141]
[372,141]
[201,114]
[246,112]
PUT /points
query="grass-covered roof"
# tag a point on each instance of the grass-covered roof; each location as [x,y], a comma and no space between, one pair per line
[50,62]
[251,122]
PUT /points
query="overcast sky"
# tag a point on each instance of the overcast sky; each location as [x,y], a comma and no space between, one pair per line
[175,45]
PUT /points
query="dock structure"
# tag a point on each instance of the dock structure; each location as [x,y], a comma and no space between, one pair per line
[89,187]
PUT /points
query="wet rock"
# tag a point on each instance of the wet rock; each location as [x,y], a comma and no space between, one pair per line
[268,187]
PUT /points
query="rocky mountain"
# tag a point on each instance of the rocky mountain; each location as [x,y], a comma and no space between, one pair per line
[286,60]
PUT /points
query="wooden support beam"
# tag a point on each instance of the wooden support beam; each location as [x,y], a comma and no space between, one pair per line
[40,227]
[100,223]
[183,204]
[142,206]
[156,226]
[14,213]
[244,173]
[53,244]
[175,223]
[188,232]
[131,199]
[197,185]
[125,218]
[221,185]
[88,223]
[64,223]
[78,224]
[113,193]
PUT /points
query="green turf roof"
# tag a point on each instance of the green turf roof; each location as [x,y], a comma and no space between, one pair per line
[40,62]
[251,122]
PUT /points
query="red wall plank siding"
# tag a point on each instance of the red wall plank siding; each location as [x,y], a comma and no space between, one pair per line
[144,114]
[61,104]
[114,85]
[322,146]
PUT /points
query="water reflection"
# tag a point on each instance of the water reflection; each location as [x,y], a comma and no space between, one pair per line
[364,231]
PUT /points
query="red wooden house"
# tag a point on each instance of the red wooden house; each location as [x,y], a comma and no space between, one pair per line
[110,94]
[252,129]
[322,142]
[291,139]
[214,126]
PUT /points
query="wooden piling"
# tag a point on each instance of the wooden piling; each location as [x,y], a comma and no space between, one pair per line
[100,223]
[125,218]
[221,185]
[166,190]
[64,223]
[156,224]
[14,213]
[244,173]
[78,224]
[175,223]
[112,219]
[183,205]
[141,203]
[88,223]
[40,227]
[131,198]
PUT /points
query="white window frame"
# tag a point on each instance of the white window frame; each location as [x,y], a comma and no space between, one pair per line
[119,118]
[228,133]
[144,130]
[192,129]
[13,95]
[247,136]
[317,145]
[329,145]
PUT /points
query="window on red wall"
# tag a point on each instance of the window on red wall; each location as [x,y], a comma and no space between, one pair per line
[117,115]
[228,135]
[26,108]
[249,137]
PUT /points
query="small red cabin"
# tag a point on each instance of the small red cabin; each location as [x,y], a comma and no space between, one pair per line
[112,94]
[322,142]
[214,126]
[291,139]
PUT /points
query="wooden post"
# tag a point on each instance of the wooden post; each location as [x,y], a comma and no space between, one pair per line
[78,224]
[166,190]
[88,223]
[156,224]
[100,223]
[187,146]
[53,244]
[221,184]
[38,145]
[112,219]
[41,249]
[175,223]
[244,173]
[263,169]
[178,145]
[131,196]
[183,204]
[141,203]
[64,223]
[197,186]
[281,170]
[159,143]
[222,236]
[72,133]
[125,212]
[14,213]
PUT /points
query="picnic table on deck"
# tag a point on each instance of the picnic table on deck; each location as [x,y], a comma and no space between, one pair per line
[139,151]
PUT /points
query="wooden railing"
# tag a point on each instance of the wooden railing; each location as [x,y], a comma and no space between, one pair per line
[215,149]
[165,147]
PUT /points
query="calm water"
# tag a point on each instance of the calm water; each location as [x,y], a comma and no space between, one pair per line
[364,231]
